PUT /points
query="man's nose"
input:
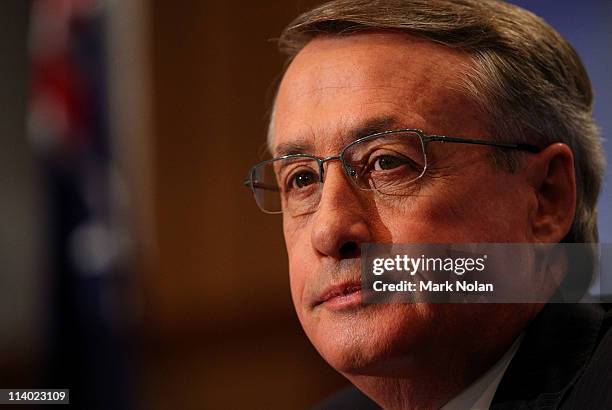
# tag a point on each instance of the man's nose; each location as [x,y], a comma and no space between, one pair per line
[339,226]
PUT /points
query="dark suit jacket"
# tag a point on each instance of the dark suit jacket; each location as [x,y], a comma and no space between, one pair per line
[563,362]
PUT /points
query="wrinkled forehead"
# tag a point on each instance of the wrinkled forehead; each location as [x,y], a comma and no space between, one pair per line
[337,87]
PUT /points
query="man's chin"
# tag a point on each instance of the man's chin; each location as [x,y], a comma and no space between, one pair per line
[367,339]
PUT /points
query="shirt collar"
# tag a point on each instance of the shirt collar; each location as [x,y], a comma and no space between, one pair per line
[479,394]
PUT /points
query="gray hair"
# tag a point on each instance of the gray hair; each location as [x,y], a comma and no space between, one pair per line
[527,81]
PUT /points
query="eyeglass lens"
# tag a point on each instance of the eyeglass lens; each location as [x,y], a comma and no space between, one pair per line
[387,163]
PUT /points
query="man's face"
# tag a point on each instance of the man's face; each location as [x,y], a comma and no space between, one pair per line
[336,88]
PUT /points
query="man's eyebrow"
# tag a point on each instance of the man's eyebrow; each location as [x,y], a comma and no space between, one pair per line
[373,126]
[291,148]
[369,127]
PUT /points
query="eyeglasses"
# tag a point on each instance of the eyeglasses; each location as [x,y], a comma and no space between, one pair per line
[387,162]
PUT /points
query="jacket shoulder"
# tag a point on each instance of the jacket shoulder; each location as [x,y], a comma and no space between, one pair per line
[593,388]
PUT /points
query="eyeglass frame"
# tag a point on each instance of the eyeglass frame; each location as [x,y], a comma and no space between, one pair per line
[424,138]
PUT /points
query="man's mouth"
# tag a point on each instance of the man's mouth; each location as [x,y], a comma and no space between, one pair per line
[341,296]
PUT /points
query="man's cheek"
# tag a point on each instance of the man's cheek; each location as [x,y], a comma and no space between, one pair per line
[297,280]
[297,240]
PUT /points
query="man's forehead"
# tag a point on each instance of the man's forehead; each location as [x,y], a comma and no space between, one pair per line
[343,85]
[379,55]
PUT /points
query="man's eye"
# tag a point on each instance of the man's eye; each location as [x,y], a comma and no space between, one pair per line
[386,162]
[302,179]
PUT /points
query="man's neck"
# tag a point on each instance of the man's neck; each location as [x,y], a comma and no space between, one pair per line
[436,384]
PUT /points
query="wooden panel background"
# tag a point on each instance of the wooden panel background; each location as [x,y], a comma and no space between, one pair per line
[220,327]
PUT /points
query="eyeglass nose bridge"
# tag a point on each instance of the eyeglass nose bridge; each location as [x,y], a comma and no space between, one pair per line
[346,168]
[322,162]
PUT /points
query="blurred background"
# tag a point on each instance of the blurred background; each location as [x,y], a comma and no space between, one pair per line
[136,269]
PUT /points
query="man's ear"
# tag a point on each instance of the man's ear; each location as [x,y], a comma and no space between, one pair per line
[551,174]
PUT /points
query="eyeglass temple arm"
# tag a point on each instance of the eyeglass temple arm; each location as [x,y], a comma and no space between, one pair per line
[257,184]
[522,147]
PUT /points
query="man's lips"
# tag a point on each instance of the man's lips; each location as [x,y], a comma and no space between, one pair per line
[340,296]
